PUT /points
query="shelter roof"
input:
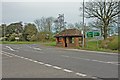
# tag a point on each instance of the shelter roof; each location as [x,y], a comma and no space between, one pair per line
[69,32]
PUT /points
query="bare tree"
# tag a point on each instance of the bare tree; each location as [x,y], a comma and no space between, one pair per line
[44,24]
[56,26]
[37,22]
[106,12]
[78,25]
[97,24]
[60,24]
[41,23]
[70,26]
[49,22]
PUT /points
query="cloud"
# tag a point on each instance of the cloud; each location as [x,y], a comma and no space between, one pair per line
[27,11]
[45,0]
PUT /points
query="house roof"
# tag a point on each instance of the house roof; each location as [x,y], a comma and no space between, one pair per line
[69,32]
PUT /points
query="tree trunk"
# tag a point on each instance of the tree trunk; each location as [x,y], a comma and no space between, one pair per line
[105,31]
[49,26]
[101,31]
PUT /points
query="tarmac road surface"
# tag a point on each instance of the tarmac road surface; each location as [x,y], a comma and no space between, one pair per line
[38,61]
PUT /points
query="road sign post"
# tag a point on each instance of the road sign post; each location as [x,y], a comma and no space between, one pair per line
[93,34]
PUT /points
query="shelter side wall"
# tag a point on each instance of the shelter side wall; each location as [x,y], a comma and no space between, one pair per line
[71,45]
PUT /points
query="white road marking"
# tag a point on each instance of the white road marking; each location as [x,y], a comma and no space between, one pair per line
[25,58]
[80,74]
[95,60]
[35,61]
[17,56]
[7,55]
[116,63]
[5,52]
[10,48]
[90,60]
[56,67]
[92,51]
[94,77]
[112,62]
[11,54]
[66,70]
[37,48]
[21,57]
[47,65]
[40,62]
[101,61]
[30,59]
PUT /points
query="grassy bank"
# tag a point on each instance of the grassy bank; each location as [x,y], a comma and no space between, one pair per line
[28,42]
[18,42]
[50,43]
[94,46]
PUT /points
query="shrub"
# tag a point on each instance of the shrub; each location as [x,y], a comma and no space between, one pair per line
[110,43]
[33,38]
[12,37]
[104,44]
[45,36]
[111,38]
[52,39]
[113,44]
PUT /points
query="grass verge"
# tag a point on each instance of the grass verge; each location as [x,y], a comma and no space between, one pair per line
[50,44]
[94,46]
[18,42]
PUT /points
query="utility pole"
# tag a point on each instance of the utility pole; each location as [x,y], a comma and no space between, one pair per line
[4,32]
[4,27]
[83,26]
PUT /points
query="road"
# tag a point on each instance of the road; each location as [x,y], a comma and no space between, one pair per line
[38,61]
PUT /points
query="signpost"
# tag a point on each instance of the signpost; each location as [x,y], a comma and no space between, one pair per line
[93,34]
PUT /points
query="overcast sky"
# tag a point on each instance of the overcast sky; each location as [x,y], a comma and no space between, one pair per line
[29,11]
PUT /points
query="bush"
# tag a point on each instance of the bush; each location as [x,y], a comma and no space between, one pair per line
[33,38]
[45,36]
[52,39]
[113,44]
[110,43]
[104,44]
[12,37]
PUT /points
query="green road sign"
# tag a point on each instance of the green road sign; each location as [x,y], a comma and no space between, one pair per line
[92,34]
[89,34]
[96,33]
